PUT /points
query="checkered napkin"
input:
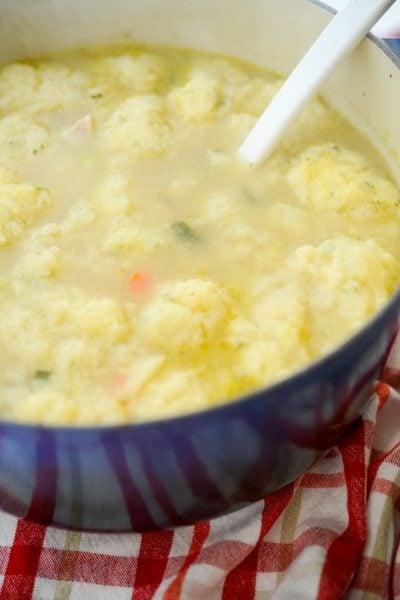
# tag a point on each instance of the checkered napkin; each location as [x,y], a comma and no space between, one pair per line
[332,534]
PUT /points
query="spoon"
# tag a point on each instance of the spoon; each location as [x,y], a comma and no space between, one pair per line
[342,35]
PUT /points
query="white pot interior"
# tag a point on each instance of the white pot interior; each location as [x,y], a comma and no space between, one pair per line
[274,33]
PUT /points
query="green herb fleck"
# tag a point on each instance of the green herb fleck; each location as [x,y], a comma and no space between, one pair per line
[37,150]
[42,375]
[249,196]
[182,230]
[96,95]
[168,295]
[336,147]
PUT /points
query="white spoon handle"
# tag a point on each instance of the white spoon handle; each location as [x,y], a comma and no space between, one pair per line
[341,36]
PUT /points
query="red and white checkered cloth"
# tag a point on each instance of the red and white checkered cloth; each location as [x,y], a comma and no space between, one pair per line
[332,534]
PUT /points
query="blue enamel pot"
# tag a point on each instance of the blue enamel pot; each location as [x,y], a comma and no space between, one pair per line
[177,471]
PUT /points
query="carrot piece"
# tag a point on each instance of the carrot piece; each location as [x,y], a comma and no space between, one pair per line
[120,381]
[139,283]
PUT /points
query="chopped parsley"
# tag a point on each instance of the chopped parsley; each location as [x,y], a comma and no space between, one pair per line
[42,375]
[250,197]
[37,150]
[184,231]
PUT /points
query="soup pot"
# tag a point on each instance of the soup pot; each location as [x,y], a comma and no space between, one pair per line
[177,471]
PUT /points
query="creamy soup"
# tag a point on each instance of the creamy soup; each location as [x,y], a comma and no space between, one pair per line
[145,271]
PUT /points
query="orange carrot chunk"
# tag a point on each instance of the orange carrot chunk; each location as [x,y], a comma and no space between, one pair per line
[139,283]
[120,381]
